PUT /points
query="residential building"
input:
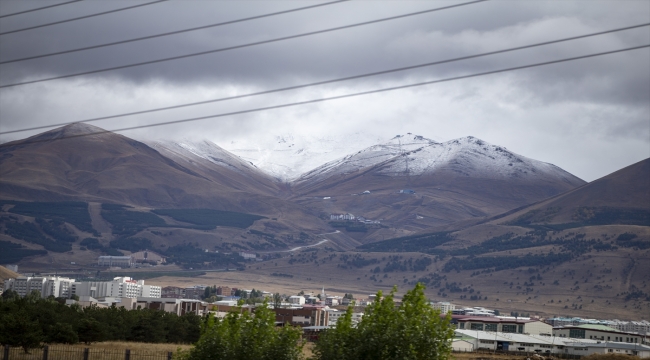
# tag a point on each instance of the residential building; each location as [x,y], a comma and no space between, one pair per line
[444,307]
[120,287]
[176,306]
[46,285]
[224,291]
[172,292]
[333,316]
[297,300]
[505,325]
[305,316]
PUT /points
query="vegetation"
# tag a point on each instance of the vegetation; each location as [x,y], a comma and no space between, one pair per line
[209,218]
[414,330]
[192,257]
[127,223]
[422,243]
[56,229]
[131,244]
[349,226]
[27,322]
[242,336]
[13,253]
[29,232]
[584,216]
[631,240]
[505,262]
[73,212]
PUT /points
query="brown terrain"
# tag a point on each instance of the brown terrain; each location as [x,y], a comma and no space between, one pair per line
[550,246]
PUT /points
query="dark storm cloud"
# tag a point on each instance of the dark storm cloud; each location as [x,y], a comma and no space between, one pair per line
[612,90]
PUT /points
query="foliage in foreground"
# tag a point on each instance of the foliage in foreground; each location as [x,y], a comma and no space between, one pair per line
[243,336]
[414,330]
[27,322]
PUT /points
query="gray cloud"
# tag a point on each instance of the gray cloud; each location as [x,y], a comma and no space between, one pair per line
[590,116]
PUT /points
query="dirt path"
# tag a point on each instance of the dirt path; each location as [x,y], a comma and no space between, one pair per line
[98,222]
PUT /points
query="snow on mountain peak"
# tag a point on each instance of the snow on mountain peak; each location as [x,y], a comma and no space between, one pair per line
[415,155]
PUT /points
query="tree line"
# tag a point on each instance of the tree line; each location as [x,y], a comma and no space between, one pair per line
[29,321]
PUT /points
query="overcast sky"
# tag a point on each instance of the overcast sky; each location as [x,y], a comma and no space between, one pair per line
[590,117]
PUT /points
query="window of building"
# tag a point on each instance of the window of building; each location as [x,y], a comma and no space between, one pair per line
[509,328]
[577,333]
[475,326]
[520,329]
[490,327]
[487,341]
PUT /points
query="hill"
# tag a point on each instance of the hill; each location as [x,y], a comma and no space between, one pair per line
[460,179]
[7,274]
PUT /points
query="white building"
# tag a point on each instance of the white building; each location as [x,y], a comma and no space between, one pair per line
[120,287]
[46,285]
[118,261]
[342,217]
[248,255]
[444,307]
[297,300]
[332,300]
[334,315]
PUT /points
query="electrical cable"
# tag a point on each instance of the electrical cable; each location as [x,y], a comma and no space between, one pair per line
[242,46]
[172,32]
[40,8]
[332,80]
[81,17]
[313,101]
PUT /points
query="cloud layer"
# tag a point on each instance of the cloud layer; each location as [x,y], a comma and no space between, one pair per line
[590,117]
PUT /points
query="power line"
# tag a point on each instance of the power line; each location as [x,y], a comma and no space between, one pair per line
[243,45]
[81,17]
[171,32]
[332,80]
[40,8]
[341,96]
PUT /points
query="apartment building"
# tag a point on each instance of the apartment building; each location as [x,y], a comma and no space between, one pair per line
[46,285]
[120,287]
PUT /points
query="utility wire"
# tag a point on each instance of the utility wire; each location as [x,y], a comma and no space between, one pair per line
[331,80]
[243,45]
[81,17]
[172,32]
[40,8]
[23,142]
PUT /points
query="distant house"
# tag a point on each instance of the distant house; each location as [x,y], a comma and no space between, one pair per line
[407,191]
[342,217]
[247,255]
[148,256]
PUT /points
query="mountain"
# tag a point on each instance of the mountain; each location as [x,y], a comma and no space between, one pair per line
[88,182]
[583,252]
[211,161]
[287,156]
[84,162]
[459,179]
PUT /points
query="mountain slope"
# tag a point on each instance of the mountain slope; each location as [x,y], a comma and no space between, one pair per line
[455,180]
[213,162]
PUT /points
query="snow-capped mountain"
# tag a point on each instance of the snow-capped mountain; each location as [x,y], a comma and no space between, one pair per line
[210,160]
[286,157]
[414,155]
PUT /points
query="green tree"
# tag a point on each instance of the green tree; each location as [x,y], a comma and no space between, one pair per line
[90,330]
[17,329]
[241,335]
[412,331]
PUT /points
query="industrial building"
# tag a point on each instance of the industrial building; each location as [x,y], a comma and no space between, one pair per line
[505,325]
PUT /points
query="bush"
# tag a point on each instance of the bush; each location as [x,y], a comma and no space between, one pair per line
[414,330]
[243,336]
